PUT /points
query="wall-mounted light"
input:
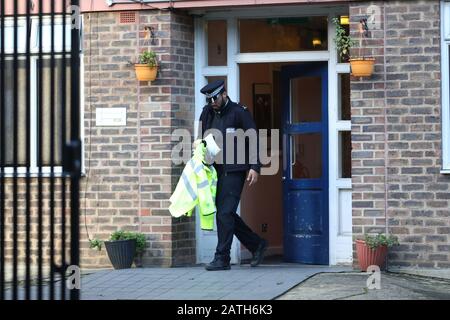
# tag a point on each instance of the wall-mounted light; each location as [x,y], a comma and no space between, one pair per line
[345,20]
[316,42]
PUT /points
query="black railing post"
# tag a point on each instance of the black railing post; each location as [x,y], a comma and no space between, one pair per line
[40,150]
[28,156]
[52,149]
[15,149]
[2,152]
[75,138]
[63,143]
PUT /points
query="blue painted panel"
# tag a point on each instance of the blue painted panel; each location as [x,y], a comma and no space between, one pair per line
[305,218]
[305,184]
[304,127]
[305,201]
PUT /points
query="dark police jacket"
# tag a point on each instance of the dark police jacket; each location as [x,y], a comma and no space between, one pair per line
[232,117]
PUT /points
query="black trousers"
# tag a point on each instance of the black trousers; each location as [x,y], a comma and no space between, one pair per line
[229,188]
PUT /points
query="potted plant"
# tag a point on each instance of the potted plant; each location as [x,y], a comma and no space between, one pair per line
[361,66]
[373,250]
[147,66]
[123,248]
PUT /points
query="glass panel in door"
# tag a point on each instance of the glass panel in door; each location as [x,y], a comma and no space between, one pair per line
[306,99]
[306,155]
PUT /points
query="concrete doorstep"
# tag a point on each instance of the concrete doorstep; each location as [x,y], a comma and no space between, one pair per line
[355,286]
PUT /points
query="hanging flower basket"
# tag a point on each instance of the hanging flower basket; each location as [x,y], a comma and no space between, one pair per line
[147,66]
[362,67]
[145,72]
[360,64]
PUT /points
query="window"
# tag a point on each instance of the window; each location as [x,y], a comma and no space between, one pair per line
[217,43]
[346,26]
[39,131]
[215,78]
[344,92]
[283,34]
[46,110]
[345,152]
[445,65]
[10,124]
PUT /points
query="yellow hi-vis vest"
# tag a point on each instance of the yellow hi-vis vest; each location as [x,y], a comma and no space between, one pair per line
[197,186]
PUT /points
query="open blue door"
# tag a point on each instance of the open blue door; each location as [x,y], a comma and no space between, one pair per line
[304,90]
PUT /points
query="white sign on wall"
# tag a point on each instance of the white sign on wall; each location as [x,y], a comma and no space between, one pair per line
[111,117]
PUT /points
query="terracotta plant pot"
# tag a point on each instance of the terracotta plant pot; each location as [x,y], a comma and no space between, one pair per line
[368,256]
[362,67]
[144,72]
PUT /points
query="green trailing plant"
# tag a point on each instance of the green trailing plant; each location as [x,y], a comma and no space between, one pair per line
[122,235]
[148,57]
[96,243]
[126,235]
[380,239]
[342,40]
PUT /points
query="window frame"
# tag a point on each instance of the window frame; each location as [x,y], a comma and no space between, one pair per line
[34,169]
[445,85]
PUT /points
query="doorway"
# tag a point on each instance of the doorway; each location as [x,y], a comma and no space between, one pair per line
[289,208]
[251,73]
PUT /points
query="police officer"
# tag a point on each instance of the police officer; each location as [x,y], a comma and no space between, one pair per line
[224,115]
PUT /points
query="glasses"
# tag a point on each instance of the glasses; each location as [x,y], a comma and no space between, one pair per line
[213,99]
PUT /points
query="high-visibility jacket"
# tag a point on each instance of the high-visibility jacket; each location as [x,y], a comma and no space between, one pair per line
[197,186]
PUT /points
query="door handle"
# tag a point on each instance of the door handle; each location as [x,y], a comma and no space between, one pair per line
[293,159]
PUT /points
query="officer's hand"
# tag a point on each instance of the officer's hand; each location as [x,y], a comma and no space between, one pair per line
[252,177]
[195,144]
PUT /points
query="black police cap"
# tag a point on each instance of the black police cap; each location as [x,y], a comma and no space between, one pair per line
[213,89]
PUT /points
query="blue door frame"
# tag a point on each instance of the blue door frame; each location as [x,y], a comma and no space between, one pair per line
[305,201]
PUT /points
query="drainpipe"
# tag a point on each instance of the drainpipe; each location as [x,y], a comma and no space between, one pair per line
[386,156]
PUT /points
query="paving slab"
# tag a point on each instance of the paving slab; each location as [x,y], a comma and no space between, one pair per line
[242,282]
[266,282]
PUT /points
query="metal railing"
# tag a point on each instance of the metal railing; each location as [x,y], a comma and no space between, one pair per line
[40,148]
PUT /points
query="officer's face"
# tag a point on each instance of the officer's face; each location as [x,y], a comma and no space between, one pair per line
[219,100]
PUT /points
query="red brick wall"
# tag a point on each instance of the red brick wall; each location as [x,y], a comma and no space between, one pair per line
[130,172]
[396,135]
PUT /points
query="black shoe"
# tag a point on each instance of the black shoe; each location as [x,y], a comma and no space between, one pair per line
[258,255]
[218,264]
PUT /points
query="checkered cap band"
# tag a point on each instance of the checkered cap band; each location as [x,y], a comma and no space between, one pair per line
[214,93]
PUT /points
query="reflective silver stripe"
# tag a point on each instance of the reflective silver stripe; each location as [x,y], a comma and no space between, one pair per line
[203,184]
[189,187]
[199,168]
[192,164]
[196,169]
